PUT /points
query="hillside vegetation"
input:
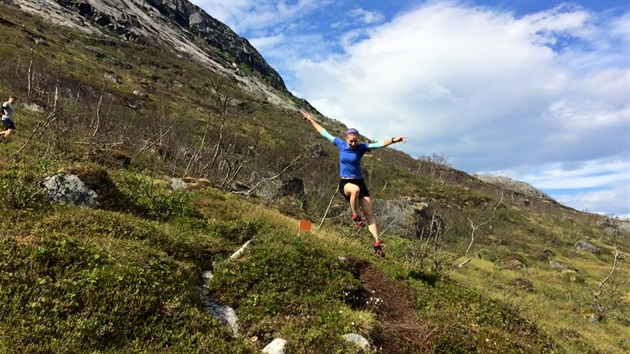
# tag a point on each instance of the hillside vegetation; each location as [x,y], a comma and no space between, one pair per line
[126,277]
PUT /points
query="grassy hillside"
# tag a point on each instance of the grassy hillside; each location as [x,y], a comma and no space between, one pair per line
[75,280]
[125,117]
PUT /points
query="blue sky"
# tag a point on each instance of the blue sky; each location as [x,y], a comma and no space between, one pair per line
[538,91]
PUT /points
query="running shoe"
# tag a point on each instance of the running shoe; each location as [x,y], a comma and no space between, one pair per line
[356,219]
[379,251]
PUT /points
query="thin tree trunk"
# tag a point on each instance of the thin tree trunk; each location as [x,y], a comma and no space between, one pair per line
[328,208]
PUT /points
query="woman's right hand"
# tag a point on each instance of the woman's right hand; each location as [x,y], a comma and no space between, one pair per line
[307,117]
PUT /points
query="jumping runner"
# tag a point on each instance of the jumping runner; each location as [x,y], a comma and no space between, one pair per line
[352,186]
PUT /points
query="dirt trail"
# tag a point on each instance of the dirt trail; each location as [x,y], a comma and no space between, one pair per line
[400,331]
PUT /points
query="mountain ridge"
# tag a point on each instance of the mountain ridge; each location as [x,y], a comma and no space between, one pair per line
[180,24]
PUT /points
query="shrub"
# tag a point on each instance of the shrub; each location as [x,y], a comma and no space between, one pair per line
[20,189]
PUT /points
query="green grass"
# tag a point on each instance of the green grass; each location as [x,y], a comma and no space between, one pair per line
[77,279]
[61,293]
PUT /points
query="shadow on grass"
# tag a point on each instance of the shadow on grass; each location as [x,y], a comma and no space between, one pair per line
[427,278]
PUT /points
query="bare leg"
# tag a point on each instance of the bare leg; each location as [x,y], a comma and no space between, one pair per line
[352,192]
[366,206]
[6,133]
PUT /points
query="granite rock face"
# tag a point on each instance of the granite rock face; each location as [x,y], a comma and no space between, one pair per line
[177,24]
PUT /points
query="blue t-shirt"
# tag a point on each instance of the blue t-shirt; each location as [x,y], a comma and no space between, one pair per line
[350,159]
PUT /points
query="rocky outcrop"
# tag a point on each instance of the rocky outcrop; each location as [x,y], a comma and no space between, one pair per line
[586,246]
[406,217]
[285,187]
[218,35]
[176,24]
[515,186]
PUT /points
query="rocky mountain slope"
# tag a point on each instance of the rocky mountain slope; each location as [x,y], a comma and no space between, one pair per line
[179,24]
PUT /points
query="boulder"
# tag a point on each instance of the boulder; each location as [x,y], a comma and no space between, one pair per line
[225,314]
[277,346]
[357,340]
[557,265]
[285,187]
[405,217]
[33,107]
[586,246]
[178,184]
[612,231]
[69,189]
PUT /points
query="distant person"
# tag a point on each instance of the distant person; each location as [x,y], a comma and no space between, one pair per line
[352,186]
[7,117]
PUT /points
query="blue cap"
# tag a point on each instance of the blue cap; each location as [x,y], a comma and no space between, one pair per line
[352,131]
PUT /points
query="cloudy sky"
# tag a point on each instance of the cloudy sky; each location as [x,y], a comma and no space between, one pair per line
[535,90]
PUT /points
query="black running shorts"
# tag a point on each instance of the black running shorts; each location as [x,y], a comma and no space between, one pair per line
[8,124]
[363,191]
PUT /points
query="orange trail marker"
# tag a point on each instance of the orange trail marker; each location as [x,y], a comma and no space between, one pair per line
[304,225]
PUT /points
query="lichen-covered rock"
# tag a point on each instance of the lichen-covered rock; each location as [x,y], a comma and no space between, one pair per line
[586,246]
[69,189]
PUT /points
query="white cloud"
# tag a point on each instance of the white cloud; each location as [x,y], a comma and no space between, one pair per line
[607,202]
[545,27]
[583,175]
[472,82]
[250,15]
[367,17]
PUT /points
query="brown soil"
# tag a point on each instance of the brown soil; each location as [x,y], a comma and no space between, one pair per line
[400,331]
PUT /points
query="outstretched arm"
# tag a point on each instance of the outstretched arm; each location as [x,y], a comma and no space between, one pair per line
[388,142]
[307,117]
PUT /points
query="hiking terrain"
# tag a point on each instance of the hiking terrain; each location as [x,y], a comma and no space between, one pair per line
[191,146]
